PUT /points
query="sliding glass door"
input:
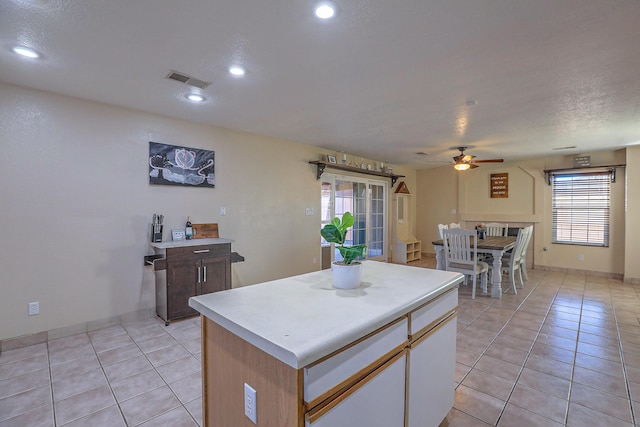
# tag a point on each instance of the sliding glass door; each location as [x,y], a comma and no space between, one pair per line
[366,199]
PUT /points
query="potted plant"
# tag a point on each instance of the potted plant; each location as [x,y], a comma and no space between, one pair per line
[346,273]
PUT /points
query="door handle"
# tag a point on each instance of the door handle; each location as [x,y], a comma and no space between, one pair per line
[204,274]
[199,277]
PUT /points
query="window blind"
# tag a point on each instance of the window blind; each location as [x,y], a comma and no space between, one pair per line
[581,205]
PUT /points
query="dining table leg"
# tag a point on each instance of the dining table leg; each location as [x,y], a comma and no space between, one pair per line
[496,275]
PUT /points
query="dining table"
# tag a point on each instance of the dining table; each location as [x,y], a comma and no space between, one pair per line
[496,246]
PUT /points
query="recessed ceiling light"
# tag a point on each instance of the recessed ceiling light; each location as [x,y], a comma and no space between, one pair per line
[471,102]
[237,71]
[194,97]
[325,10]
[25,51]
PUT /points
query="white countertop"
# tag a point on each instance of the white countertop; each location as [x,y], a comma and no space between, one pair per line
[192,242]
[303,318]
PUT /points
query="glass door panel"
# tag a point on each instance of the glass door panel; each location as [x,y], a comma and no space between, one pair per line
[367,201]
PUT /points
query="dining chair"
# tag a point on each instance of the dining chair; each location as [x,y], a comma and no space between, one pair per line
[523,256]
[440,228]
[512,263]
[460,255]
[496,229]
[454,225]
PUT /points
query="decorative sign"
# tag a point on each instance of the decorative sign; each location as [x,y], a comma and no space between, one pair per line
[581,161]
[499,185]
[402,188]
[173,165]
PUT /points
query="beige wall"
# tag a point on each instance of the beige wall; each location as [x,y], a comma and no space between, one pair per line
[632,219]
[77,205]
[529,201]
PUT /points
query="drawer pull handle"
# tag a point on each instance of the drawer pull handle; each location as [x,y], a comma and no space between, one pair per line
[199,277]
[204,274]
[201,251]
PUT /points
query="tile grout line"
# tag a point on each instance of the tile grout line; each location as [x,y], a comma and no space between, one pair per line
[516,310]
[624,366]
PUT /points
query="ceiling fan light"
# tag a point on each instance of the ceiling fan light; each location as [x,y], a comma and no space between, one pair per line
[462,166]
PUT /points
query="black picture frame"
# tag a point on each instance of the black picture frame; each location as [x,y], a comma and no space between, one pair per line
[331,159]
[183,166]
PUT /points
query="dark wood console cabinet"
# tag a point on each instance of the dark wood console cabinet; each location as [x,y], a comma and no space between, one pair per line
[186,271]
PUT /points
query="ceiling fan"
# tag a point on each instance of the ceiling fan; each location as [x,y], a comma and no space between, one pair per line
[462,162]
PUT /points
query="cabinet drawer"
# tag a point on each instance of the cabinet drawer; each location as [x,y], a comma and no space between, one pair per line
[377,400]
[200,251]
[423,318]
[349,365]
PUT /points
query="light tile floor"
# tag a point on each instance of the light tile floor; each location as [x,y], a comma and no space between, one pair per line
[565,351]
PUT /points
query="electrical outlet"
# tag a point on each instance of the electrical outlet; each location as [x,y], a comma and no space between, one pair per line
[308,211]
[581,257]
[250,408]
[34,308]
[223,211]
[314,260]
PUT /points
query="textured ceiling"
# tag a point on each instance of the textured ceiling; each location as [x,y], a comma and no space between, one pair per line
[383,79]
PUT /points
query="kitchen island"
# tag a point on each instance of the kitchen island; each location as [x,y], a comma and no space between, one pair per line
[319,356]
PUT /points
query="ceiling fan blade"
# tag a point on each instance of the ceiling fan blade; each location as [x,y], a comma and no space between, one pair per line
[458,158]
[468,157]
[472,166]
[489,161]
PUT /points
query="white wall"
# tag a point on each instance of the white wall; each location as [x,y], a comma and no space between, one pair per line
[76,206]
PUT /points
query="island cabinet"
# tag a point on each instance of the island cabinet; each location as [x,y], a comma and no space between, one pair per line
[382,355]
[186,269]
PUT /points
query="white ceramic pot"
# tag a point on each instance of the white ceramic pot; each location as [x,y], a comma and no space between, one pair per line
[346,276]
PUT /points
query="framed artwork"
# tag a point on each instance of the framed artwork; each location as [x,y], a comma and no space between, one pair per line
[331,158]
[175,165]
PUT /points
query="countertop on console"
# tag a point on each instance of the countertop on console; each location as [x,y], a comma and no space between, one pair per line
[192,242]
[303,318]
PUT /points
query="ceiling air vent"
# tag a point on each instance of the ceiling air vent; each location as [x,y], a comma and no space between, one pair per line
[191,81]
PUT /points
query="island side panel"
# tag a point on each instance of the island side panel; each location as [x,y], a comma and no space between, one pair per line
[228,363]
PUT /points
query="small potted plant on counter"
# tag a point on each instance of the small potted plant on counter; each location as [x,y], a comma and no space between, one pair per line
[346,274]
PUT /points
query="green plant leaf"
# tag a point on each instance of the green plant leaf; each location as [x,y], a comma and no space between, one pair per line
[347,220]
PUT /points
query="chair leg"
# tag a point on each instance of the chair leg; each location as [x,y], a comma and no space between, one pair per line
[512,279]
[473,287]
[484,279]
[523,267]
[520,277]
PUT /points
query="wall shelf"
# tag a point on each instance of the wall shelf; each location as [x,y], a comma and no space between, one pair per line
[322,165]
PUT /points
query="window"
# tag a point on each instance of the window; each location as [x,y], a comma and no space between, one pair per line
[580,208]
[367,200]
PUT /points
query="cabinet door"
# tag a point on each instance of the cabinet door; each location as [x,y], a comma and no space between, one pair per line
[216,275]
[376,401]
[182,277]
[432,370]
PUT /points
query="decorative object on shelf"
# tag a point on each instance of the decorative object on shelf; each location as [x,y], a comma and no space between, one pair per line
[322,165]
[331,159]
[174,165]
[346,274]
[344,159]
[362,166]
[482,231]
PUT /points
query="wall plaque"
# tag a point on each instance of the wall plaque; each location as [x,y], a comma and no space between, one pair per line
[499,185]
[581,161]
